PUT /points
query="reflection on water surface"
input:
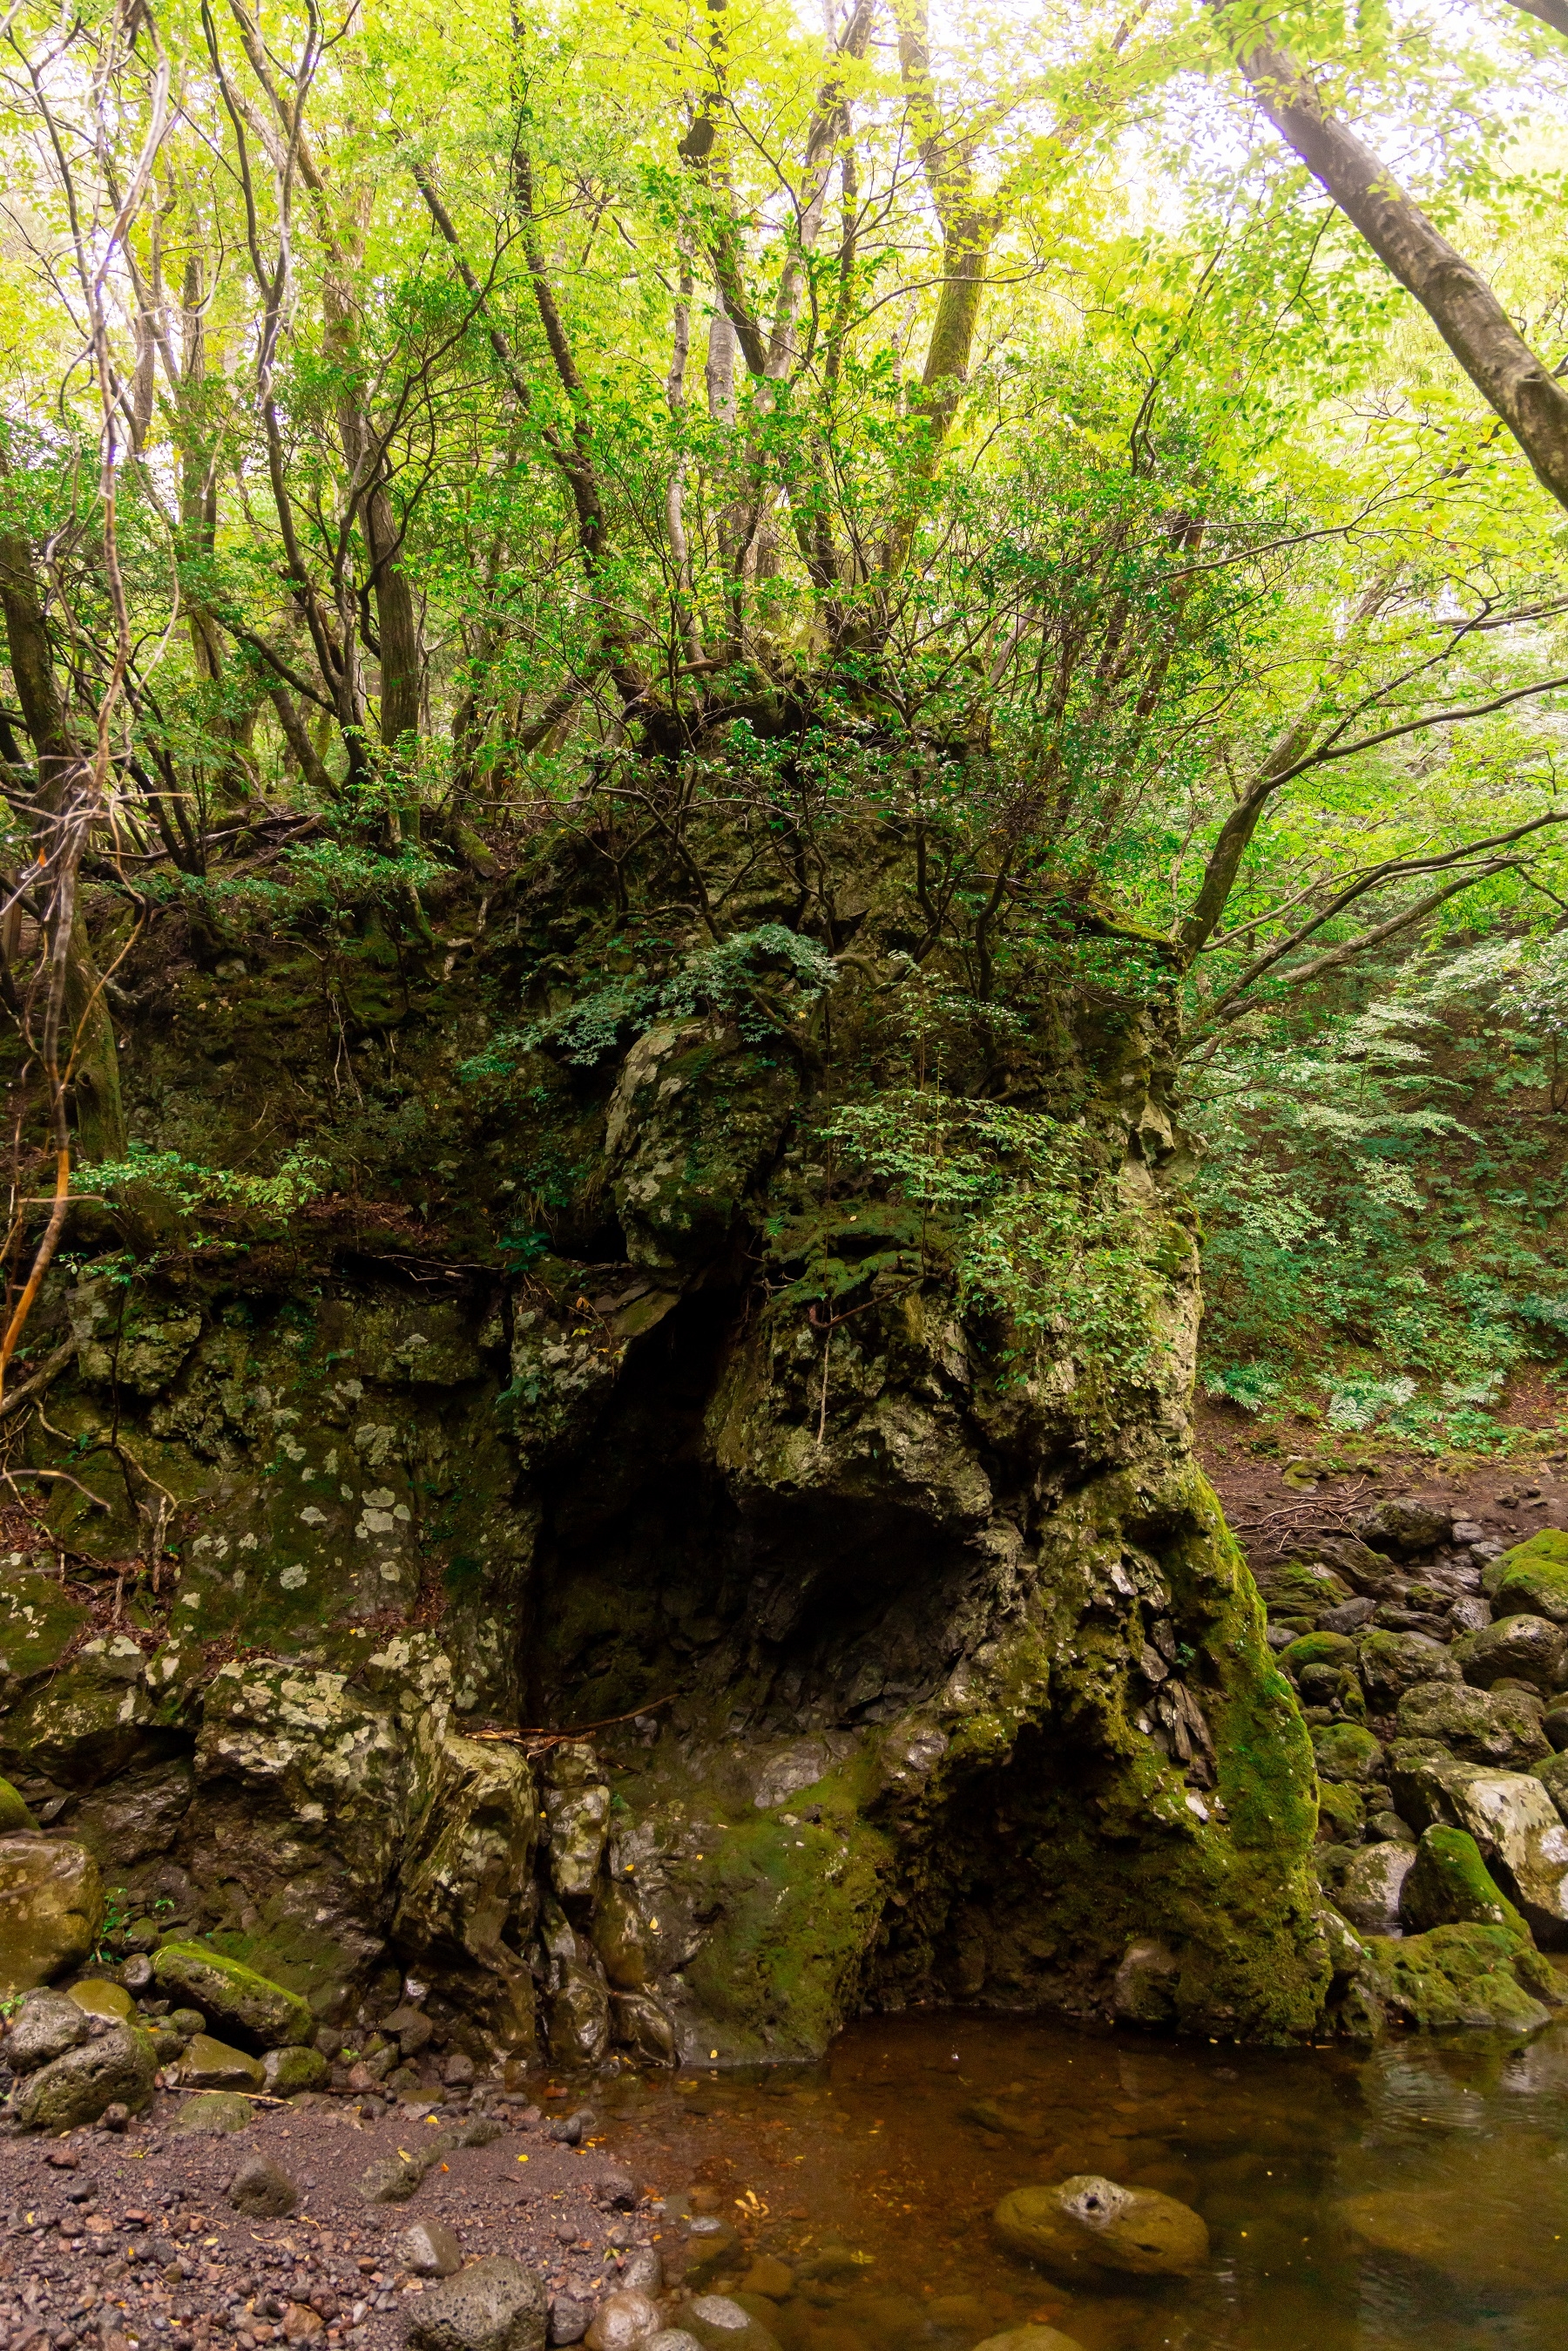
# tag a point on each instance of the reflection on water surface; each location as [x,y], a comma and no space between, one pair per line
[1413,2199]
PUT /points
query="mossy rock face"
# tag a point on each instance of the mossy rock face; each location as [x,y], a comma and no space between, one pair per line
[926,1667]
[1532,1579]
[39,1621]
[234,1995]
[117,2068]
[1449,1885]
[51,1906]
[1462,1977]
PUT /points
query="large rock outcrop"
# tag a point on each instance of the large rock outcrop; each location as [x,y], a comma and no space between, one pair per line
[921,1664]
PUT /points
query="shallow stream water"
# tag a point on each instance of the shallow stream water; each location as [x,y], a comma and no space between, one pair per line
[1412,2198]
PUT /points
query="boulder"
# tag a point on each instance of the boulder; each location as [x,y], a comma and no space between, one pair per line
[215,2111]
[627,2318]
[1391,1663]
[1480,1976]
[209,2064]
[1447,1884]
[1341,1813]
[286,2071]
[711,2246]
[1499,1726]
[264,2190]
[1300,1587]
[14,1813]
[1343,1750]
[95,1996]
[1086,2223]
[51,1906]
[1517,1648]
[1532,1579]
[1367,1890]
[1317,1650]
[1405,1523]
[233,1995]
[491,2306]
[114,2069]
[1434,2223]
[1552,1775]
[1516,1825]
[720,2324]
[1349,1616]
[1512,1815]
[47,2024]
[429,2248]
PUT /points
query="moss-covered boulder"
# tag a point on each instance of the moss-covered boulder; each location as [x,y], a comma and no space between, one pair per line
[1346,1751]
[51,1906]
[114,2068]
[1552,1774]
[1531,1578]
[1391,1663]
[237,1996]
[1079,2226]
[1317,1650]
[1520,1648]
[14,1813]
[1449,1885]
[287,2072]
[1465,1976]
[1341,1813]
[1496,1727]
[1300,1587]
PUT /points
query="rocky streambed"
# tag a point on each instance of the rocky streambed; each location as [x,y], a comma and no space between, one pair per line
[1430,1659]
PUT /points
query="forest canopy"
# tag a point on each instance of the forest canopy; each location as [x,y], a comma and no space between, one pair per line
[1124,448]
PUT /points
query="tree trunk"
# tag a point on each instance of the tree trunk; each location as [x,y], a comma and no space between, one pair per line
[1451,289]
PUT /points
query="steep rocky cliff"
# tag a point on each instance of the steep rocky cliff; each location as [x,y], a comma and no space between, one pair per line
[616,1379]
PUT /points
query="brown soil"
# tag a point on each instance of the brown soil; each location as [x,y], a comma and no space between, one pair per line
[1273,1495]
